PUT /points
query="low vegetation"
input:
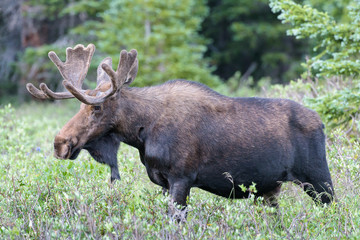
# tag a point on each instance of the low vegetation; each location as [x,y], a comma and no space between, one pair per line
[42,197]
[45,198]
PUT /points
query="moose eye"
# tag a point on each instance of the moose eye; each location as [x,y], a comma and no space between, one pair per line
[97,108]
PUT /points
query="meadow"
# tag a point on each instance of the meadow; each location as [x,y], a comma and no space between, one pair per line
[42,197]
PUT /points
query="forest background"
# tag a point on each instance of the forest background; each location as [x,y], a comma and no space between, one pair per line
[305,50]
[237,48]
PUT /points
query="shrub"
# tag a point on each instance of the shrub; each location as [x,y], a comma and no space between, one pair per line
[339,46]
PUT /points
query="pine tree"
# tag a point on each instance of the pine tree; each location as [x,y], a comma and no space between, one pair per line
[337,44]
[163,32]
[336,54]
[247,37]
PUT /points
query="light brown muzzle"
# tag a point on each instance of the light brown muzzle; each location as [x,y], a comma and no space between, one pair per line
[65,148]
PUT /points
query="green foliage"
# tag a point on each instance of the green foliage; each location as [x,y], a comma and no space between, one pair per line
[238,86]
[90,8]
[53,9]
[36,67]
[49,22]
[246,37]
[338,43]
[339,109]
[337,9]
[163,32]
[45,9]
[339,46]
[42,197]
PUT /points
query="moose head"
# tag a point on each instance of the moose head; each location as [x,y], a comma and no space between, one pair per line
[95,118]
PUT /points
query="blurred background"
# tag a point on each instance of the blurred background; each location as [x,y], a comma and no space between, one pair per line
[240,48]
[207,41]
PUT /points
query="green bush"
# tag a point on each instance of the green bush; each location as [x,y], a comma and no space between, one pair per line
[339,46]
[339,108]
[338,42]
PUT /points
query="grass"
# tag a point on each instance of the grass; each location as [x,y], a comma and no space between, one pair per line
[45,198]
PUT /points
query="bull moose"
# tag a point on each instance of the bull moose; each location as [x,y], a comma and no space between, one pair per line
[189,135]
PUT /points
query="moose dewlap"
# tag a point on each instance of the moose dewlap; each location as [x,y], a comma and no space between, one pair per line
[189,135]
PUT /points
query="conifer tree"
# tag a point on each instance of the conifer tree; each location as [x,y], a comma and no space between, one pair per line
[165,33]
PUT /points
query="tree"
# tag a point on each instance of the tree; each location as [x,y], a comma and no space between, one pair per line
[338,42]
[247,37]
[26,28]
[336,54]
[163,32]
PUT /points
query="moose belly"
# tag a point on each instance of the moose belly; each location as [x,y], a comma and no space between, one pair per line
[224,189]
[235,183]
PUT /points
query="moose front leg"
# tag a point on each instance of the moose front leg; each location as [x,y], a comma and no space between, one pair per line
[114,173]
[109,159]
[104,150]
[179,192]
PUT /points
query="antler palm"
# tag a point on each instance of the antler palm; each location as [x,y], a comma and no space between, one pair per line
[77,63]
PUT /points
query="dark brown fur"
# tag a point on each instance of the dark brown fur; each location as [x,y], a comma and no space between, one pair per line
[190,136]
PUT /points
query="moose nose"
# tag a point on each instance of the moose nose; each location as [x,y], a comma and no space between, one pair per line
[62,152]
[63,147]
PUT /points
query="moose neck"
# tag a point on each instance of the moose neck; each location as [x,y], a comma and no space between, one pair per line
[138,108]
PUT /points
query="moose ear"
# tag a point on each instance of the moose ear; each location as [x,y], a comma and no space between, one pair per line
[132,73]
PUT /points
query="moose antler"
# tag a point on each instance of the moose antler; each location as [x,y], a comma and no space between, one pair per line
[126,72]
[74,69]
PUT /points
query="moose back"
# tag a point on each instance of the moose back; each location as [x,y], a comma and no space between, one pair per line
[189,135]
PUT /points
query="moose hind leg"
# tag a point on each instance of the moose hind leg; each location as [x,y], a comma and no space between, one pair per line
[270,197]
[114,172]
[318,185]
[316,179]
[320,191]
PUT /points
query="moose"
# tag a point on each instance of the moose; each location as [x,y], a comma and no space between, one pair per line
[188,135]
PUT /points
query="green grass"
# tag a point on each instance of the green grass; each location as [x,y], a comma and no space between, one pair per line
[45,198]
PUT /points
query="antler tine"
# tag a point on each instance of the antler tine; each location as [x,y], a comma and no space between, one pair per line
[133,72]
[126,66]
[36,92]
[102,77]
[94,100]
[53,95]
[45,93]
[114,76]
[89,100]
[101,74]
[74,69]
[127,69]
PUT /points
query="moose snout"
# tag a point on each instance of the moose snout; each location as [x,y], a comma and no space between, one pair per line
[64,147]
